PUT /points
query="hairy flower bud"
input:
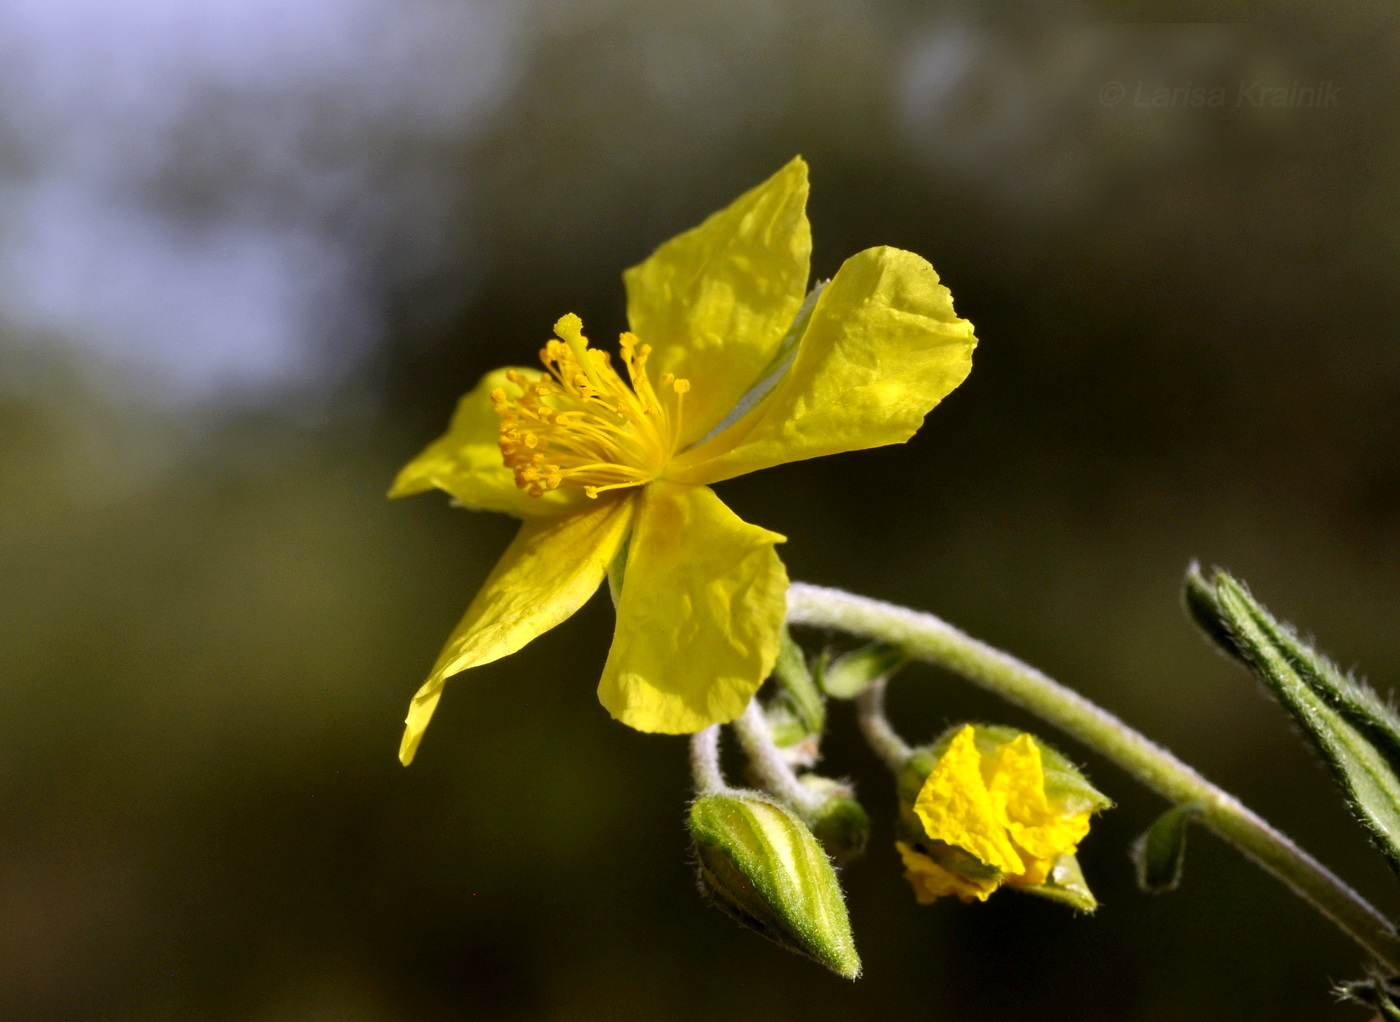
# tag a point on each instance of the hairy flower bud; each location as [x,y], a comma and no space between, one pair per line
[841,823]
[760,864]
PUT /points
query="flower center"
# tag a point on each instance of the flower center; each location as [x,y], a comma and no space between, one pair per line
[581,425]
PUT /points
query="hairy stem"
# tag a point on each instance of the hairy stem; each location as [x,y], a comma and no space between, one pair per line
[870,711]
[704,762]
[771,769]
[930,639]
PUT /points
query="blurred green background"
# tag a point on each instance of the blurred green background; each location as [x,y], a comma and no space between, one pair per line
[250,253]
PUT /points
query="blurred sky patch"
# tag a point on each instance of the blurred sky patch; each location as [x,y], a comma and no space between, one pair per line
[188,190]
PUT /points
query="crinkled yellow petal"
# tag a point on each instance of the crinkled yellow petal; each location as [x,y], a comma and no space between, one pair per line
[882,348]
[931,881]
[1016,783]
[955,806]
[1036,872]
[698,618]
[549,571]
[466,462]
[715,302]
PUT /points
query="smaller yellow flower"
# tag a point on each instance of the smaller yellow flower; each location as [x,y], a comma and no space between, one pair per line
[996,808]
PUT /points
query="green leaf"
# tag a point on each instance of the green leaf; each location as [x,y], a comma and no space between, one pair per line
[1198,594]
[1160,852]
[1360,704]
[1307,685]
[847,676]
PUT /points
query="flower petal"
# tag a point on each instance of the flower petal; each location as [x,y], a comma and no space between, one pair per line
[715,301]
[466,462]
[1016,783]
[882,348]
[955,807]
[931,881]
[549,571]
[702,604]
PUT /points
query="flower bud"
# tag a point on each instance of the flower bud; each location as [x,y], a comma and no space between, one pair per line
[760,864]
[840,823]
[988,806]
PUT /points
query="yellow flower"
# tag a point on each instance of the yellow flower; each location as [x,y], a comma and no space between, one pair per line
[990,812]
[730,367]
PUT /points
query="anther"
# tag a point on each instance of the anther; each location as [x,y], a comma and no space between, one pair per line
[583,425]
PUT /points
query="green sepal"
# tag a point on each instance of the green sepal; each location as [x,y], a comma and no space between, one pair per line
[1065,884]
[761,865]
[798,711]
[1159,853]
[1305,683]
[955,859]
[846,676]
[907,785]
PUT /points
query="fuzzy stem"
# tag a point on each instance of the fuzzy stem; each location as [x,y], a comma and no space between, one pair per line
[768,764]
[875,726]
[704,762]
[930,639]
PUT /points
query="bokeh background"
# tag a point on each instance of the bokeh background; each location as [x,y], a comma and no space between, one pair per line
[251,252]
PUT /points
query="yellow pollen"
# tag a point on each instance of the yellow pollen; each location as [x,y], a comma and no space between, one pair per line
[581,425]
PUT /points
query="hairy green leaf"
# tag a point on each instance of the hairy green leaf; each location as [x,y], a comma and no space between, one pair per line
[1352,729]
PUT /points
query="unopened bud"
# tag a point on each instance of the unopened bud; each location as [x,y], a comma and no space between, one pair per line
[840,823]
[760,864]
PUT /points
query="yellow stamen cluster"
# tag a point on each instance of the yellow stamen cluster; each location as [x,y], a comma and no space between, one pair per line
[581,425]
